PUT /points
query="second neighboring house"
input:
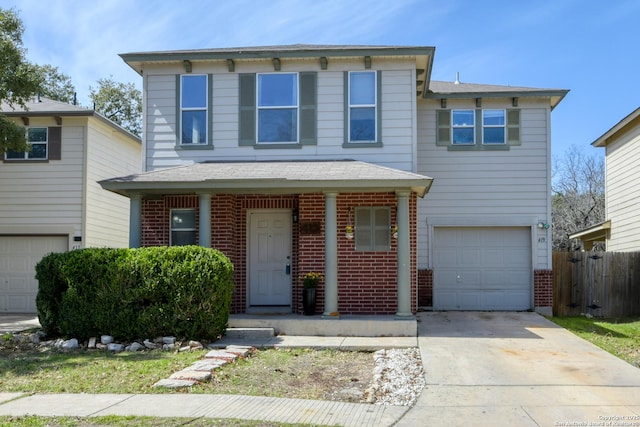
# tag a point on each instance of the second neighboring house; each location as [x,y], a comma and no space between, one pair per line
[621,229]
[50,200]
[270,153]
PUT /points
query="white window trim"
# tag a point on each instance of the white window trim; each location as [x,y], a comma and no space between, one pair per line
[374,106]
[279,107]
[473,126]
[503,126]
[206,109]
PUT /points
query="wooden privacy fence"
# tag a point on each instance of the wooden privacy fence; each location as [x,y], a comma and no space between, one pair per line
[603,284]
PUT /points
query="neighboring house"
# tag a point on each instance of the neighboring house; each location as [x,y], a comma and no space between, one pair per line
[269,153]
[50,200]
[621,229]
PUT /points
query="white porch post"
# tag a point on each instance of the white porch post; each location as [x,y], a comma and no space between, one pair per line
[404,257]
[330,255]
[205,220]
[135,221]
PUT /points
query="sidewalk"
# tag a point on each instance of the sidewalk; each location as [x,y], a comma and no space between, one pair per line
[255,408]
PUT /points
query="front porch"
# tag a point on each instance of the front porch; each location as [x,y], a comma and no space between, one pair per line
[343,326]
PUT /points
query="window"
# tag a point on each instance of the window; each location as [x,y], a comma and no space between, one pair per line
[362,106]
[478,129]
[493,127]
[183,227]
[372,229]
[277,108]
[193,109]
[37,139]
[463,126]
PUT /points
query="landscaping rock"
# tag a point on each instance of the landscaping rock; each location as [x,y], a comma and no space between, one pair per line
[175,383]
[106,339]
[240,350]
[150,344]
[70,344]
[92,342]
[221,354]
[198,376]
[168,340]
[135,346]
[116,348]
[168,347]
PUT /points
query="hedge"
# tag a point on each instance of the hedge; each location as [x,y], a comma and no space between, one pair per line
[184,291]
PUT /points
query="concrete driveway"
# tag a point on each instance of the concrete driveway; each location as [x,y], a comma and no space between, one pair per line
[17,322]
[518,369]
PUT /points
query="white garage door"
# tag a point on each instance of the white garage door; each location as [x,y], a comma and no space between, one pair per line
[482,268]
[18,257]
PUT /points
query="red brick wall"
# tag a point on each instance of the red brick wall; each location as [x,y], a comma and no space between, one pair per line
[543,288]
[367,281]
[425,288]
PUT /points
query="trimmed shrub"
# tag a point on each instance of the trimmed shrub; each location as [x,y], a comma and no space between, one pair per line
[135,293]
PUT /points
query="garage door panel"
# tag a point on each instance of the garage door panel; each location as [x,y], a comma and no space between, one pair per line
[491,269]
[19,255]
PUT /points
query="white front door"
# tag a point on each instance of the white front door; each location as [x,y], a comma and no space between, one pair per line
[269,258]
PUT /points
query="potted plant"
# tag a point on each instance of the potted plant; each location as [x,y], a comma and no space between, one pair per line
[310,282]
[348,232]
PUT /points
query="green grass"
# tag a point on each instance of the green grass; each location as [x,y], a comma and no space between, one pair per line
[620,337]
[33,421]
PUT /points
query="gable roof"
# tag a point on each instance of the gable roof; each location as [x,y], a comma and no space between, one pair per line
[271,177]
[604,138]
[447,90]
[423,55]
[45,107]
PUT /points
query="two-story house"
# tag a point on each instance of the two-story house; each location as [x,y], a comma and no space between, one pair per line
[50,199]
[621,230]
[271,154]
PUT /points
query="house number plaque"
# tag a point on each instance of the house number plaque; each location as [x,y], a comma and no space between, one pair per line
[310,227]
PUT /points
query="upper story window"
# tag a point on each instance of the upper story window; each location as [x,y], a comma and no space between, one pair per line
[373,228]
[463,126]
[362,106]
[277,108]
[478,129]
[493,126]
[183,227]
[38,142]
[193,109]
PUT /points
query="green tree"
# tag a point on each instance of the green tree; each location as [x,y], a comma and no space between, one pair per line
[119,102]
[55,85]
[19,79]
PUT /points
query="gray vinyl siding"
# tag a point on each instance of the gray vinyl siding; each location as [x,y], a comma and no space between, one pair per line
[109,154]
[623,191]
[490,188]
[397,127]
[42,196]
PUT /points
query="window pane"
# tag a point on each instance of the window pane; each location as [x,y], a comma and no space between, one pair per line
[181,219]
[278,125]
[363,124]
[15,154]
[383,239]
[194,127]
[493,117]
[194,91]
[362,88]
[277,90]
[463,135]
[493,135]
[363,217]
[38,151]
[37,135]
[463,118]
[181,238]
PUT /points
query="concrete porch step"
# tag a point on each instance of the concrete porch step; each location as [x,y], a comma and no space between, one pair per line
[250,333]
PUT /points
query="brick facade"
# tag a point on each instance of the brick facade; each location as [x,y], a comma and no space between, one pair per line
[367,281]
[543,288]
[425,288]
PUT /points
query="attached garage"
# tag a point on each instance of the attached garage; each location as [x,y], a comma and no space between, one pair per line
[18,257]
[482,268]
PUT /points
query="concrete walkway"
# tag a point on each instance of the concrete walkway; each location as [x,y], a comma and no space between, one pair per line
[481,369]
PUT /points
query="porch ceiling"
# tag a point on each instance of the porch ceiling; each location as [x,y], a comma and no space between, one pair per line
[270,177]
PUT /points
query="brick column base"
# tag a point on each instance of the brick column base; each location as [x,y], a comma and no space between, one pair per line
[543,291]
[425,288]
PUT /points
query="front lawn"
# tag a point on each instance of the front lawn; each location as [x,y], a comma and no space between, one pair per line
[620,337]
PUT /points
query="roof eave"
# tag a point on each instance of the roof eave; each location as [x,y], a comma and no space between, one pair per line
[556,96]
[604,138]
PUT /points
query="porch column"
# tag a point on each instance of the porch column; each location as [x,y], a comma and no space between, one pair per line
[330,255]
[205,220]
[135,221]
[404,255]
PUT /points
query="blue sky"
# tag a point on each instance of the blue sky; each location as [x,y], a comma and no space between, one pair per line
[586,46]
